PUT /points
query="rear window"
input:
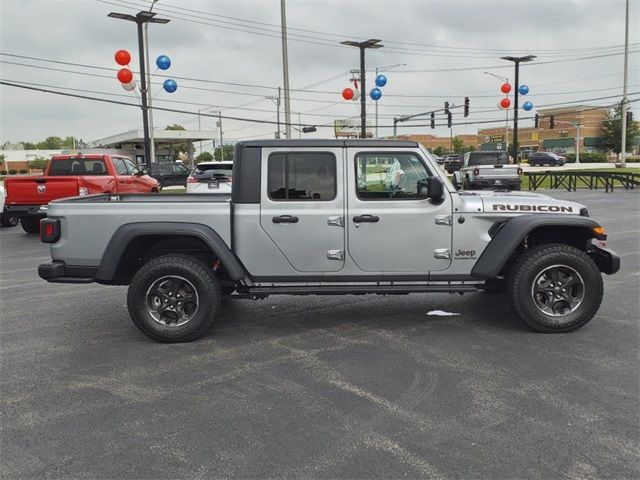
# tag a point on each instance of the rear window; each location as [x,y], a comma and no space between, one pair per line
[206,172]
[78,166]
[488,158]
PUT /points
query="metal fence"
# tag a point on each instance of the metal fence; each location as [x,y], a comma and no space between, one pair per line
[591,180]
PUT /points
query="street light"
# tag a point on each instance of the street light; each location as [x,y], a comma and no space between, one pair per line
[373,44]
[517,61]
[140,19]
[385,69]
[506,124]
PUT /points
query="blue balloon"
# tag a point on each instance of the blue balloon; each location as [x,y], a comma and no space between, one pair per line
[523,89]
[527,106]
[381,80]
[170,85]
[163,62]
[375,94]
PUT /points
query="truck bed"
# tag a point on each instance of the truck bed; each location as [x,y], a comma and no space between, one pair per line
[92,220]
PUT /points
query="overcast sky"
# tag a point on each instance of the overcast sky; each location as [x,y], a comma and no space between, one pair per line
[213,41]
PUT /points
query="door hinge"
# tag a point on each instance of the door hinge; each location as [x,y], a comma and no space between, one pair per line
[444,253]
[336,221]
[335,255]
[444,220]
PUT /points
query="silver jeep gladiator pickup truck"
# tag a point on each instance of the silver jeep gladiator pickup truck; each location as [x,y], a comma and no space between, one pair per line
[487,169]
[329,217]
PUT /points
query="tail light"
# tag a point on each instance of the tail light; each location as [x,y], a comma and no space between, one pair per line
[192,180]
[49,230]
[476,172]
[83,191]
[519,171]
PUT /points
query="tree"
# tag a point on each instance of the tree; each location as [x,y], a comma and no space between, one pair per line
[178,147]
[29,145]
[612,130]
[228,153]
[438,151]
[39,163]
[175,126]
[204,157]
[50,143]
[458,145]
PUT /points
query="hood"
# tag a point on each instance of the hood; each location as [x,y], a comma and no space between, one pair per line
[525,203]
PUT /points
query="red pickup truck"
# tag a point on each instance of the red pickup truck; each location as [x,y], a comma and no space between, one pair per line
[72,176]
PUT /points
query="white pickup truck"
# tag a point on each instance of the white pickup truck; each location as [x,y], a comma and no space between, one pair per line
[487,169]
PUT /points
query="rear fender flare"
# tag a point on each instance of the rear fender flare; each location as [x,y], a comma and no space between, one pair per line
[128,232]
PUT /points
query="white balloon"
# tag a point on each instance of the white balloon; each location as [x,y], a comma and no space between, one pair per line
[356,94]
[129,86]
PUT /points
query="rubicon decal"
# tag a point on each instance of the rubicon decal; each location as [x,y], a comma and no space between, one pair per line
[533,208]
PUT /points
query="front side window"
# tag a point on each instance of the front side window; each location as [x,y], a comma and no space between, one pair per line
[132,167]
[390,176]
[302,176]
[121,168]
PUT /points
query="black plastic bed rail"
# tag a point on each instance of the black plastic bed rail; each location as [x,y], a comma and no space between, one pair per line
[592,180]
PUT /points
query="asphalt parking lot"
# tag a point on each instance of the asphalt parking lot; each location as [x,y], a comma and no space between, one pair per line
[357,387]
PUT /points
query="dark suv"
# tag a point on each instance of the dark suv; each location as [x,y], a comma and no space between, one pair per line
[169,174]
[542,158]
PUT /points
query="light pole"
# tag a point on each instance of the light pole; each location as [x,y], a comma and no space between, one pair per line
[152,143]
[139,19]
[506,122]
[285,70]
[384,69]
[219,112]
[374,44]
[625,100]
[276,100]
[517,61]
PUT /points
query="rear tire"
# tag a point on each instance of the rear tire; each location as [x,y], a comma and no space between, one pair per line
[174,298]
[7,221]
[555,288]
[30,224]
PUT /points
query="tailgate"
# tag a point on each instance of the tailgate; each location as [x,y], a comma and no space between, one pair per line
[39,190]
[494,171]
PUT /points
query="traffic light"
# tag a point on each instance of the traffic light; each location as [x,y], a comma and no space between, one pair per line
[466,107]
[629,116]
[536,122]
[552,122]
[433,119]
[308,129]
[446,108]
[449,122]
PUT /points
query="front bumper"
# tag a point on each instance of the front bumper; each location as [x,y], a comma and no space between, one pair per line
[25,210]
[606,259]
[58,272]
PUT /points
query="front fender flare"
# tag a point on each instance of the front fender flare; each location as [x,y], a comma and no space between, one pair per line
[501,247]
[127,232]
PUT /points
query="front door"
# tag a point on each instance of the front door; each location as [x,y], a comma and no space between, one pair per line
[392,226]
[302,207]
[123,177]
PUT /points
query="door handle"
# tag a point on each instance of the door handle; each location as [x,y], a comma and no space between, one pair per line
[366,218]
[285,219]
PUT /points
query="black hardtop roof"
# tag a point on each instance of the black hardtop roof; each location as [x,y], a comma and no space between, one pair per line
[487,151]
[328,143]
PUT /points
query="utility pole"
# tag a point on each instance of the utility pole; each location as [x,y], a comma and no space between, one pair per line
[139,19]
[516,61]
[625,100]
[276,100]
[285,71]
[506,121]
[577,125]
[378,70]
[220,128]
[374,44]
[152,143]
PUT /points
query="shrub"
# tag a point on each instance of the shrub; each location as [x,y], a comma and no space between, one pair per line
[594,157]
[3,172]
[24,171]
[12,172]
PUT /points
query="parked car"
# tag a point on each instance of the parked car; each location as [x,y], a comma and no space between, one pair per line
[168,174]
[6,220]
[453,163]
[211,177]
[299,223]
[487,169]
[550,158]
[70,176]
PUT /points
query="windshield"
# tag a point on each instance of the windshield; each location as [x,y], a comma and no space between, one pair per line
[488,158]
[219,170]
[78,166]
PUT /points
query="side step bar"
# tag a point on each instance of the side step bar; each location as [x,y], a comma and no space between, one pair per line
[355,289]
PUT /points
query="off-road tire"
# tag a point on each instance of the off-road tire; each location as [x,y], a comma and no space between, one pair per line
[197,274]
[8,221]
[531,264]
[30,224]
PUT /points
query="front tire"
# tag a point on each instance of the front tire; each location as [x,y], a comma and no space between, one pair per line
[174,298]
[555,288]
[30,224]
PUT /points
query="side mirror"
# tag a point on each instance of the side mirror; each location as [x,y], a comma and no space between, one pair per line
[435,189]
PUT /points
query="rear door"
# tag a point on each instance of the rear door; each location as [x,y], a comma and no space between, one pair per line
[302,206]
[391,225]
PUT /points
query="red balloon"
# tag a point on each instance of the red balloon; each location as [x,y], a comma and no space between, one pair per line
[347,93]
[505,88]
[505,103]
[125,75]
[122,57]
